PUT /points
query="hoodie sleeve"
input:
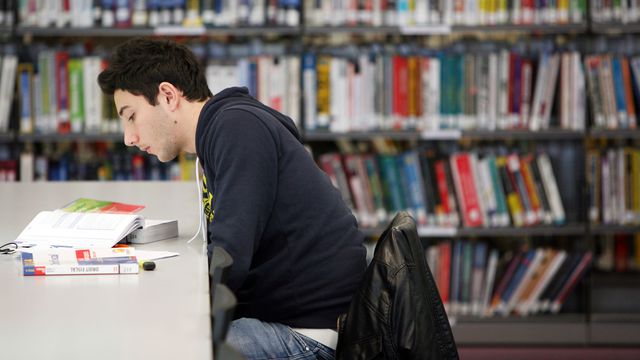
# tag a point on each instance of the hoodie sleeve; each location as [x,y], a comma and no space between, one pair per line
[243,154]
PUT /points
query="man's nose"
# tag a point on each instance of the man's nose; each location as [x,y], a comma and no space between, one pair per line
[130,139]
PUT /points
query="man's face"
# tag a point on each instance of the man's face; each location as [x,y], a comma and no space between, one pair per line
[148,127]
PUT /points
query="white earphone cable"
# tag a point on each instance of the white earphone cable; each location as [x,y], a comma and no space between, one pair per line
[201,222]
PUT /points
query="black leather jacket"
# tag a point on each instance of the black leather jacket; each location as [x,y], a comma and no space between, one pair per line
[397,313]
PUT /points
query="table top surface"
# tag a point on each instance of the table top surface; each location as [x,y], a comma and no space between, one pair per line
[160,314]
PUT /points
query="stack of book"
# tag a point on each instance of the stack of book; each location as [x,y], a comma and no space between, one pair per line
[81,238]
[79,261]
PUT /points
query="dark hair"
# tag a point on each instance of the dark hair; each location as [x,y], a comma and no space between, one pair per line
[139,65]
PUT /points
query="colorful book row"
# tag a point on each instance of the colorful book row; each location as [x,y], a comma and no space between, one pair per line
[475,280]
[59,93]
[613,180]
[495,190]
[155,13]
[614,90]
[98,162]
[485,90]
[625,11]
[619,253]
[437,12]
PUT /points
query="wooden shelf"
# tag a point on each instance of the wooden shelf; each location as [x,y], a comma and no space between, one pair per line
[546,230]
[614,27]
[6,137]
[613,229]
[70,137]
[614,134]
[563,329]
[368,135]
[327,30]
[444,29]
[532,29]
[543,230]
[551,134]
[158,31]
[615,279]
[450,135]
[606,332]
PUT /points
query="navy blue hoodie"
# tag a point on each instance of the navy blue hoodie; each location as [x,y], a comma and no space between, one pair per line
[298,254]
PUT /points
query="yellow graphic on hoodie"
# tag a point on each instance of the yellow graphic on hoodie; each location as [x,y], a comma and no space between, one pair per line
[207,200]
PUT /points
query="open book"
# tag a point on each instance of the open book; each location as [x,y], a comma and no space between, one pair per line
[89,223]
[75,229]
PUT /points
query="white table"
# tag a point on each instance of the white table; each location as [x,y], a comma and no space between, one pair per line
[161,314]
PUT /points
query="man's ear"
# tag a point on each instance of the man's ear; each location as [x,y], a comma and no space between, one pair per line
[168,96]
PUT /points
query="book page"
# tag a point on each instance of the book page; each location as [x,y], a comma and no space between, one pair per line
[59,228]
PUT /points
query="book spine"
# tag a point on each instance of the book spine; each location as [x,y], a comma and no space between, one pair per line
[489,281]
[444,273]
[25,89]
[76,95]
[126,268]
[463,175]
[576,275]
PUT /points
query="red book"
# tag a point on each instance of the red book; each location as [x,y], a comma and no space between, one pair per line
[621,252]
[62,90]
[443,190]
[626,76]
[400,88]
[444,271]
[463,178]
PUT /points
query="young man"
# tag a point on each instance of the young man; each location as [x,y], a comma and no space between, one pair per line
[298,255]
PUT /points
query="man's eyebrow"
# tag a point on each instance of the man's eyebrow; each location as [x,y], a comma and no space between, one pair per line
[122,109]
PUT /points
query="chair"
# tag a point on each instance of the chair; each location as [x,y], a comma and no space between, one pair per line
[397,312]
[223,304]
[219,266]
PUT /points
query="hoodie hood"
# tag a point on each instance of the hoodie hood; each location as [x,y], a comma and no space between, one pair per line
[238,96]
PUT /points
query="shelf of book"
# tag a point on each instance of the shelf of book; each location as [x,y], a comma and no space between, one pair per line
[70,137]
[158,31]
[614,27]
[614,134]
[613,229]
[563,329]
[429,232]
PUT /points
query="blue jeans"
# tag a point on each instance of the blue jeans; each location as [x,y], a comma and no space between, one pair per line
[258,340]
